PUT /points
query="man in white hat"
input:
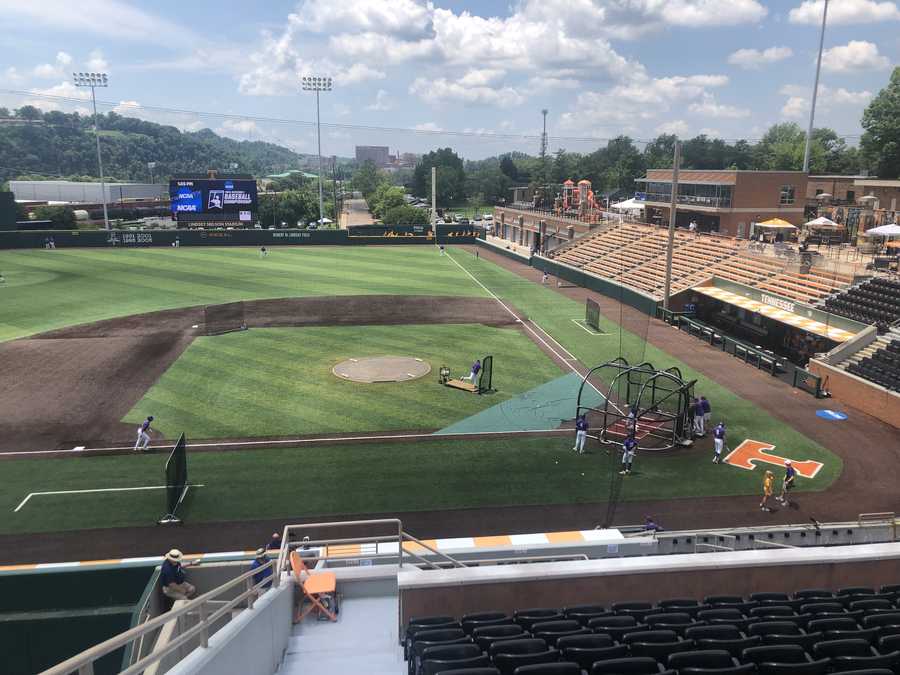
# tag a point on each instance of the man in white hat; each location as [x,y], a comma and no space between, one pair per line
[261,558]
[172,579]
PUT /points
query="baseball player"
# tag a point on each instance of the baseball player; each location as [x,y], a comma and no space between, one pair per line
[631,423]
[788,483]
[707,413]
[544,278]
[697,412]
[768,485]
[628,449]
[143,434]
[263,252]
[719,442]
[581,429]
[474,372]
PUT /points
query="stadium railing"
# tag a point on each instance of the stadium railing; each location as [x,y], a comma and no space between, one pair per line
[209,607]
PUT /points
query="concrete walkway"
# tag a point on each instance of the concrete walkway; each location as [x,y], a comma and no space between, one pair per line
[356,212]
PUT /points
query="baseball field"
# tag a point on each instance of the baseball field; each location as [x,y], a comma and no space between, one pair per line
[96,340]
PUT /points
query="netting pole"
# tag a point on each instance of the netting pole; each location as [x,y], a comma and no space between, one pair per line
[672,211]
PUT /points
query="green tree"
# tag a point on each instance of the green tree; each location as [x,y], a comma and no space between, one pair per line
[294,208]
[366,178]
[451,177]
[385,198]
[405,215]
[881,122]
[62,217]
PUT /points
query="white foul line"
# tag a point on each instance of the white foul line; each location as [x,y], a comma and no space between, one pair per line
[527,327]
[287,441]
[581,326]
[81,492]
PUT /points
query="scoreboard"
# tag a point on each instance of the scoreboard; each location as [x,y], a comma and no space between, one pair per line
[202,201]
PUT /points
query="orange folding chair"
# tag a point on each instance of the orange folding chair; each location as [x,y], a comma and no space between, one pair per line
[314,587]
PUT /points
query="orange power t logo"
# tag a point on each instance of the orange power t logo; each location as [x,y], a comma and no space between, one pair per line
[749,452]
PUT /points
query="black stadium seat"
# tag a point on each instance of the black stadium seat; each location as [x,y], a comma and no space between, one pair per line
[526,646]
[650,636]
[507,663]
[628,666]
[660,650]
[435,666]
[710,658]
[528,617]
[561,668]
[587,656]
[472,621]
[487,635]
[733,670]
[471,671]
[591,641]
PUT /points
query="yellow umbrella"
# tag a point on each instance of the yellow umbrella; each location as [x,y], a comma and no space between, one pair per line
[777,223]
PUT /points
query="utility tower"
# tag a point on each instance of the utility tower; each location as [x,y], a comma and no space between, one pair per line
[544,145]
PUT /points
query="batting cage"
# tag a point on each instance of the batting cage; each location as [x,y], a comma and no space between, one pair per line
[176,481]
[650,403]
[227,318]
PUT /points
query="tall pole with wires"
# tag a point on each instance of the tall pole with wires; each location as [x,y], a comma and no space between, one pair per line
[94,80]
[318,84]
[815,93]
[673,208]
[544,172]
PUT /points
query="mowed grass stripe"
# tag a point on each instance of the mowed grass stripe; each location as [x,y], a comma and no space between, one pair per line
[83,285]
[280,381]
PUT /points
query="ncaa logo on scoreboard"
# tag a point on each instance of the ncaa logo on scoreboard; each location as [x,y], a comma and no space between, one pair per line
[216,200]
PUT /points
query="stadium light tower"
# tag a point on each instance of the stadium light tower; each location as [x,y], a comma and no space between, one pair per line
[318,84]
[94,80]
[815,93]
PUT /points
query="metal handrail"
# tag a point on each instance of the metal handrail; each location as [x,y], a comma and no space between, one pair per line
[83,663]
[409,537]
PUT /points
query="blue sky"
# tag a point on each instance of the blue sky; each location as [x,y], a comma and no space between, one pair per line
[728,68]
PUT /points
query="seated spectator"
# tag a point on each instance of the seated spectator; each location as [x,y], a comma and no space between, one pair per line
[275,542]
[261,559]
[172,579]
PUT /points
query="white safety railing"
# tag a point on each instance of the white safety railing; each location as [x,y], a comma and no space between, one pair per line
[83,663]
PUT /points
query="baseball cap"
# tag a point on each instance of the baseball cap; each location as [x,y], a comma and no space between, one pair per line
[787,462]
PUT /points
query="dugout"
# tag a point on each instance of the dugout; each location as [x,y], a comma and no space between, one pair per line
[659,400]
[7,212]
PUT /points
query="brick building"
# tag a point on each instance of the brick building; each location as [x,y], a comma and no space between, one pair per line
[725,201]
[843,189]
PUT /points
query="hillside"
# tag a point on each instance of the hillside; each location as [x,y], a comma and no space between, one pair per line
[55,144]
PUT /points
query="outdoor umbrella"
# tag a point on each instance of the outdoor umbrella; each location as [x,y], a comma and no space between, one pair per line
[822,221]
[892,230]
[776,224]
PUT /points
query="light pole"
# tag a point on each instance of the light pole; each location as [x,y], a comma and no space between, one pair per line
[151,166]
[94,80]
[318,84]
[815,93]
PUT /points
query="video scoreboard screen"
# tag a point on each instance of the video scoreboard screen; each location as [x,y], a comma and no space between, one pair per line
[213,200]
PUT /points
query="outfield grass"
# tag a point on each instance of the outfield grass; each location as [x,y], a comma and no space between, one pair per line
[279,381]
[52,289]
[331,480]
[363,479]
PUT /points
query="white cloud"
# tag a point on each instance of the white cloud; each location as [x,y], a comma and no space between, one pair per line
[239,128]
[341,109]
[357,72]
[711,133]
[441,90]
[854,56]
[753,59]
[401,18]
[677,127]
[50,71]
[845,12]
[127,108]
[64,89]
[11,76]
[96,61]
[113,19]
[796,107]
[382,102]
[709,108]
[428,126]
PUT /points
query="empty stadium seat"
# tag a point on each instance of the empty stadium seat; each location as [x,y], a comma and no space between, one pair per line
[470,671]
[433,667]
[661,650]
[650,636]
[629,666]
[487,635]
[590,641]
[527,617]
[709,658]
[561,668]
[472,621]
[524,646]
[724,637]
[507,663]
[587,656]
[551,631]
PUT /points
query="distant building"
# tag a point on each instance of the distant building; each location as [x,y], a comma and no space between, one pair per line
[379,154]
[409,159]
[725,201]
[74,192]
[886,192]
[842,189]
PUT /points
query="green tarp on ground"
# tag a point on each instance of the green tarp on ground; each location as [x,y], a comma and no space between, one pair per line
[541,408]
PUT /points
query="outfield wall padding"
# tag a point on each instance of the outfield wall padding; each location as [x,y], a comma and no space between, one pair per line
[610,289]
[400,235]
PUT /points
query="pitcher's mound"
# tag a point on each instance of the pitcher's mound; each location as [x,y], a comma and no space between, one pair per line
[382,369]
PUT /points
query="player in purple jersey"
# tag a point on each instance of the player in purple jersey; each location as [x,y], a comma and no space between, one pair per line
[719,442]
[628,449]
[143,434]
[788,483]
[476,367]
